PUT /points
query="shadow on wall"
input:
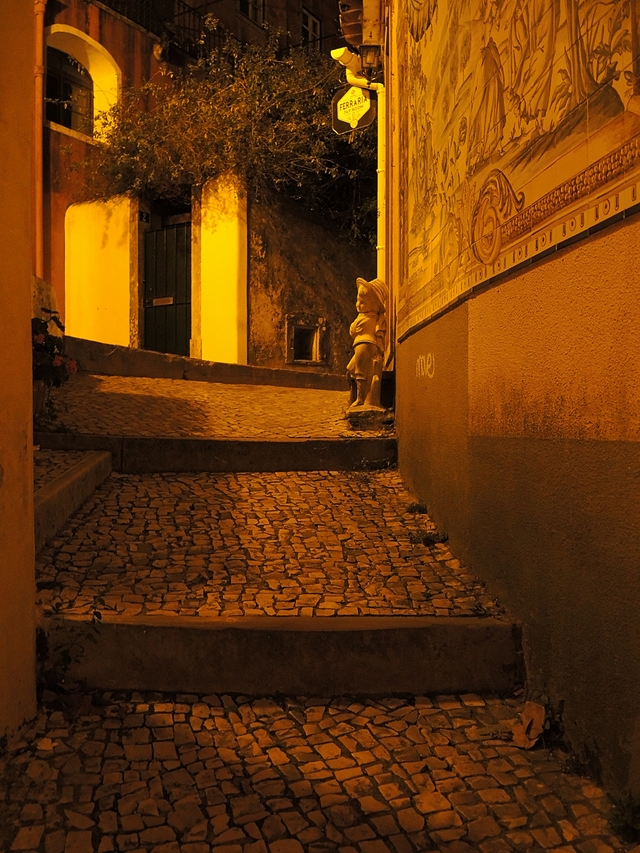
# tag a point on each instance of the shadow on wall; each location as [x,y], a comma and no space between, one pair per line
[300,267]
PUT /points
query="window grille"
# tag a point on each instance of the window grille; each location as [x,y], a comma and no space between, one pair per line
[69,92]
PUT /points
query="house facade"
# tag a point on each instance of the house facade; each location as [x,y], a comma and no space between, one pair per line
[513,191]
[181,279]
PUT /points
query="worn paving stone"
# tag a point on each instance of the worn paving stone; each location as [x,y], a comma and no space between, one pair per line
[266,783]
[49,464]
[136,406]
[318,543]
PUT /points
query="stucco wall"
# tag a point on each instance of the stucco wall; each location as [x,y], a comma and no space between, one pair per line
[525,446]
[132,50]
[298,266]
[17,585]
[100,269]
[219,273]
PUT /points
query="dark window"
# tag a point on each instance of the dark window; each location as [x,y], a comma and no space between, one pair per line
[304,344]
[311,36]
[253,9]
[69,92]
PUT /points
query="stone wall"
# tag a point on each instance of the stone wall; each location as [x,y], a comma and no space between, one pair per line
[17,584]
[301,268]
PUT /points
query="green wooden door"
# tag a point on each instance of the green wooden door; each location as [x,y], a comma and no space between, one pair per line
[167,289]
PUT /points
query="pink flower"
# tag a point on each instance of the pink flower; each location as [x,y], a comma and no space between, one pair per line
[57,361]
[72,367]
[39,339]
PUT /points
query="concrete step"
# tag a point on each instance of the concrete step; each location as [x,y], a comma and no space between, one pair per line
[95,357]
[155,454]
[297,656]
[320,582]
[58,497]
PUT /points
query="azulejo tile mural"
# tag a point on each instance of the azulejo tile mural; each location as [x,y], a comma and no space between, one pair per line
[518,127]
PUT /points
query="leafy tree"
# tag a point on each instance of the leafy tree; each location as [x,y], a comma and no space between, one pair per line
[256,111]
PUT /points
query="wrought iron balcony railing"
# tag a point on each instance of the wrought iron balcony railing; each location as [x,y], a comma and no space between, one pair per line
[171,19]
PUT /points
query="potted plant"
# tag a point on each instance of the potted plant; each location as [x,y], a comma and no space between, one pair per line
[51,367]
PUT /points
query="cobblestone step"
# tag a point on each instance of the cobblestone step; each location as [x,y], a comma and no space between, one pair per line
[323,581]
[158,425]
[97,358]
[62,483]
[151,454]
[317,543]
[135,406]
[157,773]
[365,655]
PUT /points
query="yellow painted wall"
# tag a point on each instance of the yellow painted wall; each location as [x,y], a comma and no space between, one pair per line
[100,269]
[219,274]
[557,355]
[518,406]
[518,418]
[17,585]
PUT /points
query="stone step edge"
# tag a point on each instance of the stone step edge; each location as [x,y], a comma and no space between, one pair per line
[115,360]
[56,501]
[258,655]
[168,454]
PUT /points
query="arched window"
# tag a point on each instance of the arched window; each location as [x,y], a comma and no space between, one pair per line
[69,92]
[83,79]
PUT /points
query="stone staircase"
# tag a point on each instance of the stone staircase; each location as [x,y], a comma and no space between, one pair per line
[275,661]
[243,544]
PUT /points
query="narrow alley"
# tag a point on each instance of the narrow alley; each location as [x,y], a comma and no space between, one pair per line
[116,768]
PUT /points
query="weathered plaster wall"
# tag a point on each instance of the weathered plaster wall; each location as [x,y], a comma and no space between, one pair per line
[17,585]
[525,446]
[132,49]
[62,187]
[299,266]
[431,412]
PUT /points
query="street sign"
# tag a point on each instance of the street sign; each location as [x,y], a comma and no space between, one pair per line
[352,109]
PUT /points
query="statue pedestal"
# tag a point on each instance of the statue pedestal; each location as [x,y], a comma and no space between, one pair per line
[369,418]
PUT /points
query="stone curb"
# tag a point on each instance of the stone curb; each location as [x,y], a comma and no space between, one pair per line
[56,501]
[150,455]
[296,655]
[111,360]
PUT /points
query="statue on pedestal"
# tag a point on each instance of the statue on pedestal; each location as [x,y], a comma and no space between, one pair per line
[369,333]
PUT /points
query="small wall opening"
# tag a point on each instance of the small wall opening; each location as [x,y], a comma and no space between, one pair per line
[305,344]
[306,340]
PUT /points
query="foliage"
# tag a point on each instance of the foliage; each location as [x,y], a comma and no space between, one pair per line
[250,110]
[50,363]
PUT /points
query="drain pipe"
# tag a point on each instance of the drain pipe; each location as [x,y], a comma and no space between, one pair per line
[352,64]
[38,130]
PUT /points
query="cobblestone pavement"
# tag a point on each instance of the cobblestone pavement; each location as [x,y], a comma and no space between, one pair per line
[309,543]
[185,774]
[124,405]
[49,464]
